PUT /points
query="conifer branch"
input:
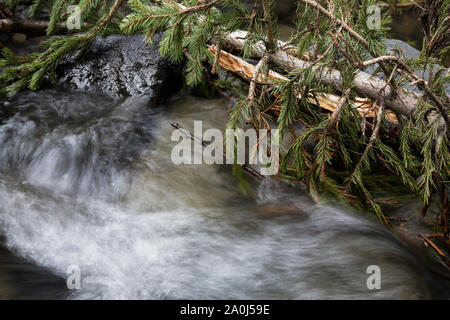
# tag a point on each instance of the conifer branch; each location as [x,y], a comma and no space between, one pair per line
[335,115]
[315,88]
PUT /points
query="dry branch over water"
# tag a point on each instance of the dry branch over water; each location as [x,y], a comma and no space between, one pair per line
[329,102]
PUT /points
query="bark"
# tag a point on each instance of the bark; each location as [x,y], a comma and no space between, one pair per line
[27,26]
[329,102]
[367,85]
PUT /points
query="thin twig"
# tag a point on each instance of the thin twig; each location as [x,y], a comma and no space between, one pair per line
[186,132]
[251,91]
[372,139]
[337,111]
[435,248]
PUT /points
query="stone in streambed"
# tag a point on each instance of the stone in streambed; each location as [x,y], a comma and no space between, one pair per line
[122,66]
[19,38]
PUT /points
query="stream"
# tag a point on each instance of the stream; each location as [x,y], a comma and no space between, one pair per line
[87,181]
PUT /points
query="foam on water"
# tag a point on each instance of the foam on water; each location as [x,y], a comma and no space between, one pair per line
[185,231]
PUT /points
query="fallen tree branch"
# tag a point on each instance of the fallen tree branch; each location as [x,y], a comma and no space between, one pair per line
[353,33]
[420,81]
[335,115]
[30,27]
[336,21]
[251,91]
[400,102]
[403,103]
[27,26]
[329,102]
[436,249]
[372,139]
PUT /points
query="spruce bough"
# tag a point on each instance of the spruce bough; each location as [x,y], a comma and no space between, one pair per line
[365,162]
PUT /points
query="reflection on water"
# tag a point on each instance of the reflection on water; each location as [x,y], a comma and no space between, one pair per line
[406,26]
[100,192]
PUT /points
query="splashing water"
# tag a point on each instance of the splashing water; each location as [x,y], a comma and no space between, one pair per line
[88,181]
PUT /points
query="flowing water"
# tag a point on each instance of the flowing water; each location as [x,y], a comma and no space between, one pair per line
[88,181]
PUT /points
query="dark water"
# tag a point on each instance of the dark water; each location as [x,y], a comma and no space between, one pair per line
[406,26]
[21,279]
[87,181]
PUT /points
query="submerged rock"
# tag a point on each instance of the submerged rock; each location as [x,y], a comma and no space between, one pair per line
[123,66]
[88,130]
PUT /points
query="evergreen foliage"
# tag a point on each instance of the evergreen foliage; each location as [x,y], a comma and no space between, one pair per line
[353,159]
[28,72]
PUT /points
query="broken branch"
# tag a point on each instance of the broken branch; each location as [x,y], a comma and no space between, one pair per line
[328,102]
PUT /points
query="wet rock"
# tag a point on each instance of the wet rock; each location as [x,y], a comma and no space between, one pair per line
[406,49]
[123,66]
[19,38]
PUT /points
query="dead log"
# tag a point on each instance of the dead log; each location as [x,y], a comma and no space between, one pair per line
[371,87]
[329,102]
[367,85]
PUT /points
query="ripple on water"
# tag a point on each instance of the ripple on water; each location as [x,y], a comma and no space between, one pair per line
[183,231]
